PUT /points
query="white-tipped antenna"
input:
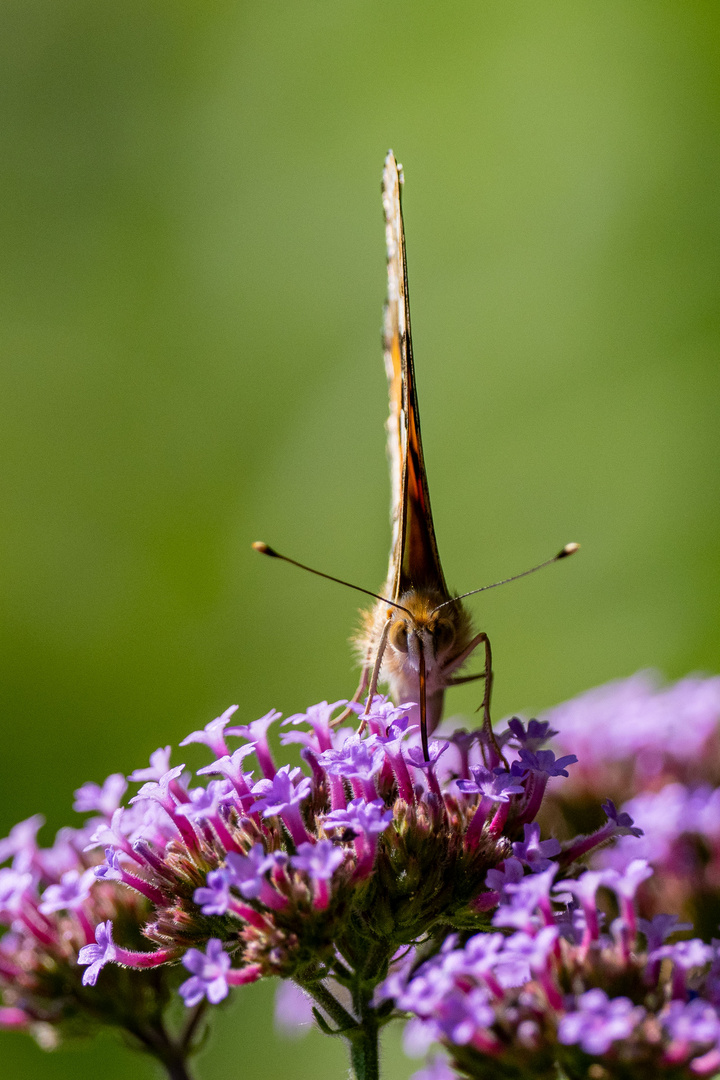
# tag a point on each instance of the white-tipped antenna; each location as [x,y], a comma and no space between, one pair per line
[569,549]
[265,549]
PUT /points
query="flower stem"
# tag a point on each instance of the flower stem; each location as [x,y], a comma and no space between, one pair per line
[177,1069]
[364,1056]
[320,993]
[170,1053]
[188,1033]
[360,1031]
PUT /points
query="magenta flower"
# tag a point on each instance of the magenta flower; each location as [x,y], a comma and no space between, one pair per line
[652,752]
[21,844]
[159,765]
[534,852]
[209,974]
[326,873]
[215,898]
[598,1022]
[362,818]
[529,1004]
[99,954]
[105,799]
[282,797]
[72,891]
[257,733]
[213,734]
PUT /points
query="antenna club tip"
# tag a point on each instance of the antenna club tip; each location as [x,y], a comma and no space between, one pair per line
[264,549]
[569,549]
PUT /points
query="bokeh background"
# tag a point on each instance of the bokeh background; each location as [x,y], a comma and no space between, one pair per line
[193,272]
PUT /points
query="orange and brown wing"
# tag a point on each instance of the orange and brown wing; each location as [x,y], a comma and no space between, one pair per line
[414,559]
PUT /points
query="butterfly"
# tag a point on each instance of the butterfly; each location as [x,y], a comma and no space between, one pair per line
[418,635]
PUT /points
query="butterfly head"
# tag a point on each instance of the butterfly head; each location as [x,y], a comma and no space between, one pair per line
[419,627]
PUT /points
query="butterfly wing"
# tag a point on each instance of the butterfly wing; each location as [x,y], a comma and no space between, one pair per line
[414,559]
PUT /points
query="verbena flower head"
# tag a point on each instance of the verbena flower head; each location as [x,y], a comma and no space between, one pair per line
[681,827]
[325,870]
[635,734]
[53,908]
[656,751]
[561,996]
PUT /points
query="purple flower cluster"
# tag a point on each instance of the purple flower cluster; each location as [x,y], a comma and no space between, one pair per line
[635,734]
[681,826]
[560,994]
[656,751]
[322,872]
[53,907]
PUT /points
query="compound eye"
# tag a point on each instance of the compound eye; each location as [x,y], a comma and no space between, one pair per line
[399,637]
[443,635]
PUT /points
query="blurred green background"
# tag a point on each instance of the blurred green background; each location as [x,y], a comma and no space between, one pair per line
[193,273]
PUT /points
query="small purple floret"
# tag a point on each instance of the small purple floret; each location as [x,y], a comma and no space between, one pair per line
[415,755]
[624,825]
[281,793]
[103,800]
[214,898]
[693,1021]
[437,1069]
[213,734]
[20,843]
[103,952]
[14,889]
[209,974]
[74,888]
[544,762]
[110,870]
[293,1009]
[368,818]
[319,861]
[599,1021]
[358,759]
[534,735]
[659,928]
[159,765]
[533,851]
[510,872]
[494,784]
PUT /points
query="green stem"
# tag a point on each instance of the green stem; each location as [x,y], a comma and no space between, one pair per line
[162,1047]
[185,1042]
[177,1069]
[320,993]
[360,1031]
[364,1056]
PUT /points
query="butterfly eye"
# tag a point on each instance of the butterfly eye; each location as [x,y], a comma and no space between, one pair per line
[443,635]
[399,637]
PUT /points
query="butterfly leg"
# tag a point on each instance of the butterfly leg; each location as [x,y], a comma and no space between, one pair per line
[375,672]
[485,704]
[487,675]
[459,680]
[364,680]
[347,711]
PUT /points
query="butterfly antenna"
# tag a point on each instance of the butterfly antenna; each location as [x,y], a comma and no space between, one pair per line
[265,549]
[569,549]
